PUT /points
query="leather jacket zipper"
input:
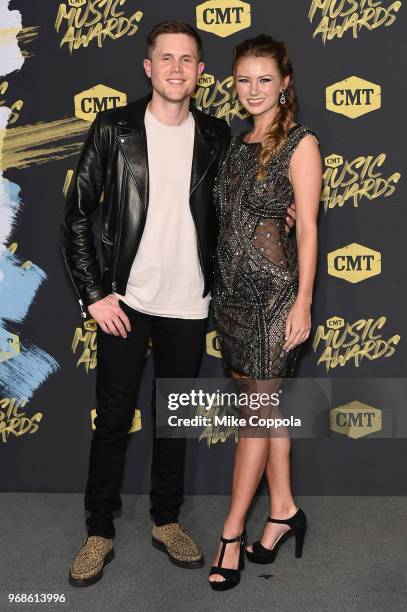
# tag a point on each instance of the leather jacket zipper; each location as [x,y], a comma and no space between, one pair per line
[81,305]
[119,229]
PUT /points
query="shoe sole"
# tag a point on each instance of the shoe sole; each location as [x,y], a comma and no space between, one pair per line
[184,564]
[221,586]
[260,559]
[88,581]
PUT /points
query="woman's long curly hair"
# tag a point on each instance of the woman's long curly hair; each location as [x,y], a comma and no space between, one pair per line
[276,135]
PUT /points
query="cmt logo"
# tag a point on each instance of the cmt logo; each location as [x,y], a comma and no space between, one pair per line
[353,97]
[223,17]
[354,263]
[135,424]
[333,161]
[99,98]
[90,325]
[206,80]
[335,323]
[76,3]
[355,419]
[213,344]
[9,345]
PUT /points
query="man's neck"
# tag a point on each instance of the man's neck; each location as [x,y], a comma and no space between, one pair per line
[170,113]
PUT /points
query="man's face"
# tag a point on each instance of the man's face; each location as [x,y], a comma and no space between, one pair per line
[174,67]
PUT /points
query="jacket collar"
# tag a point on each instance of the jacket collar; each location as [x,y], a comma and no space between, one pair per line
[131,117]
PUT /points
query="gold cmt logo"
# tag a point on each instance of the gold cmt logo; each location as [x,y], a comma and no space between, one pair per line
[99,98]
[335,323]
[206,80]
[354,263]
[334,160]
[9,345]
[353,97]
[135,424]
[355,419]
[213,344]
[223,17]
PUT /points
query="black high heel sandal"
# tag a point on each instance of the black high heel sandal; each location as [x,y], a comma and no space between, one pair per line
[297,523]
[231,576]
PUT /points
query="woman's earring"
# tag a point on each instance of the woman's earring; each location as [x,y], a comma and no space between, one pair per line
[282,97]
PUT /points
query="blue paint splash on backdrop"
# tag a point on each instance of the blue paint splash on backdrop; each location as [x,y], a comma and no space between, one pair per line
[24,372]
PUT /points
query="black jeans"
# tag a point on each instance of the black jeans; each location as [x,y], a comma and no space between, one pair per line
[177,349]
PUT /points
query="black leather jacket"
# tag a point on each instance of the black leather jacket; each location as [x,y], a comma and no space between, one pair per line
[114,160]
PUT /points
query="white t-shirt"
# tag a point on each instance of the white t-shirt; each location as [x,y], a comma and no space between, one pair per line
[166,278]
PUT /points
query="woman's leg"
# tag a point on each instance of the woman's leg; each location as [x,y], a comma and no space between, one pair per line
[278,478]
[250,460]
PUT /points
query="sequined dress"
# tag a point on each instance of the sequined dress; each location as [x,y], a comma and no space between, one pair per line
[256,268]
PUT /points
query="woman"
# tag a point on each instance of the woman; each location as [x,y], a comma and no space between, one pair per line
[263,293]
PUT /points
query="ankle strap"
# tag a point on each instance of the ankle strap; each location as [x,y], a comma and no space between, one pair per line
[225,541]
[229,541]
[286,521]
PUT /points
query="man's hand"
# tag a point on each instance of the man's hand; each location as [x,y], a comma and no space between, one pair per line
[290,218]
[111,318]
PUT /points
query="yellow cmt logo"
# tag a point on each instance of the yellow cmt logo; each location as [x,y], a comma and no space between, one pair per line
[76,3]
[353,97]
[223,17]
[335,323]
[99,98]
[90,325]
[206,80]
[333,160]
[9,345]
[213,344]
[354,263]
[355,419]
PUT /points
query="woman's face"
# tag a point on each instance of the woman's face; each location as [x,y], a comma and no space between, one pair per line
[259,83]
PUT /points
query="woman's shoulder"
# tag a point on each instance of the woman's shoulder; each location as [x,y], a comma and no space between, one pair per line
[298,131]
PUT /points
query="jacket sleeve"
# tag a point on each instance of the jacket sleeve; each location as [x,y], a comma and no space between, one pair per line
[76,237]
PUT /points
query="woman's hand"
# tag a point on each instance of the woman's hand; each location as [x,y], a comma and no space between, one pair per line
[290,218]
[298,325]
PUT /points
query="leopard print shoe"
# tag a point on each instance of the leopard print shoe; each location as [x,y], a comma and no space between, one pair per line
[87,567]
[178,545]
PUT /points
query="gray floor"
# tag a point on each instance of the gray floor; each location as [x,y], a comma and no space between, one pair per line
[355,558]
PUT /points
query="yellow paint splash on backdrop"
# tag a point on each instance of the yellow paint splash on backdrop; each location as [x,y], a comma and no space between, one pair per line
[40,143]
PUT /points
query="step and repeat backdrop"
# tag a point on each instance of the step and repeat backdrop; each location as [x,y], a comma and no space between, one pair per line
[63,62]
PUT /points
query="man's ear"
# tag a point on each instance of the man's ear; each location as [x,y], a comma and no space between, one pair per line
[201,68]
[147,67]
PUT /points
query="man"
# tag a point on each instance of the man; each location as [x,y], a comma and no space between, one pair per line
[156,160]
